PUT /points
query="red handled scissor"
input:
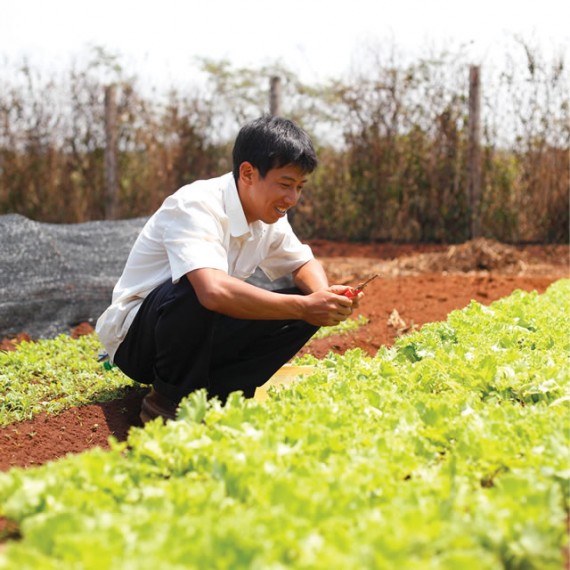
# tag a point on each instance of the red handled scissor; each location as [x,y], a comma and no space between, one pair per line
[351,293]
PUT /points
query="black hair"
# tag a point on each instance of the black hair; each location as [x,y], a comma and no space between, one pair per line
[272,142]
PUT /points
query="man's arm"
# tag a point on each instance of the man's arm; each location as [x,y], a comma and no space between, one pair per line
[219,292]
[311,277]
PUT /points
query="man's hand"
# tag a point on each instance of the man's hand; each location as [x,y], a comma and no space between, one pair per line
[324,305]
[328,307]
[355,295]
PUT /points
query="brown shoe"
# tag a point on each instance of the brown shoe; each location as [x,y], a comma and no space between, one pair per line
[154,405]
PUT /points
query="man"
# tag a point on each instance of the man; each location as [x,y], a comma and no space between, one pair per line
[182,316]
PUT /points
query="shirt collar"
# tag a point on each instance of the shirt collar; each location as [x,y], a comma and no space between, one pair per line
[238,222]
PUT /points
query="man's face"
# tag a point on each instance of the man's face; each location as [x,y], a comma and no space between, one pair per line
[268,199]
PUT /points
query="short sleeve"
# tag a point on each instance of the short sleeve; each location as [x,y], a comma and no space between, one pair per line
[286,253]
[193,233]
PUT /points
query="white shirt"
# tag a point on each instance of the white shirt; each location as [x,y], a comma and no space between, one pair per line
[201,225]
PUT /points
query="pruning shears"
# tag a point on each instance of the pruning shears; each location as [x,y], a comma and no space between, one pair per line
[351,293]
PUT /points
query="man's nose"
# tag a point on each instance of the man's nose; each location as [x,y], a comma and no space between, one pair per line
[292,196]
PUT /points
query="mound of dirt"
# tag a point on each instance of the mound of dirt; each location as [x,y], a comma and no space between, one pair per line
[480,255]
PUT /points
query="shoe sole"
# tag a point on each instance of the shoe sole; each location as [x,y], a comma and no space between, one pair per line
[148,413]
[144,417]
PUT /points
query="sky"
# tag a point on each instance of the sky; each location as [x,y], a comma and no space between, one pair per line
[318,39]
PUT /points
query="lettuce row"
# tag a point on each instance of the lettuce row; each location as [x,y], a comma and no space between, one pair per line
[54,375]
[448,450]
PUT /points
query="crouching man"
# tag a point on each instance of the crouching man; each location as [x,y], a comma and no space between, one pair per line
[182,316]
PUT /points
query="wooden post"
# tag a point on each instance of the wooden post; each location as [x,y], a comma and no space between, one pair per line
[474,158]
[111,185]
[275,96]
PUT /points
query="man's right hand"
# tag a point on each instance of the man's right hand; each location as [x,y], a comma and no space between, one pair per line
[328,307]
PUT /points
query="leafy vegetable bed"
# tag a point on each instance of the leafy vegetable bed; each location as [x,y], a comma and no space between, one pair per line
[53,375]
[449,450]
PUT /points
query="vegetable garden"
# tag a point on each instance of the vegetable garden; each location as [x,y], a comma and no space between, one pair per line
[447,450]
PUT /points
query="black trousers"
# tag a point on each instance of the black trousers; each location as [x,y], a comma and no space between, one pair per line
[178,346]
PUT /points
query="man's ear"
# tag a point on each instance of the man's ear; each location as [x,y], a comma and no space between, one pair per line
[247,173]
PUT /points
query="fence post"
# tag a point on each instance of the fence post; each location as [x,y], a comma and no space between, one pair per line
[474,157]
[275,111]
[275,96]
[111,185]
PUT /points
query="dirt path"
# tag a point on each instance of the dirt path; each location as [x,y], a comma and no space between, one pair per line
[417,285]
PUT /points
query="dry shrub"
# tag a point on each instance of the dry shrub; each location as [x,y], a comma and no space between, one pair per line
[392,142]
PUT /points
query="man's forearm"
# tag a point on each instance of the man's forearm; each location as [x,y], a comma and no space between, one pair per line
[311,277]
[221,293]
[321,305]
